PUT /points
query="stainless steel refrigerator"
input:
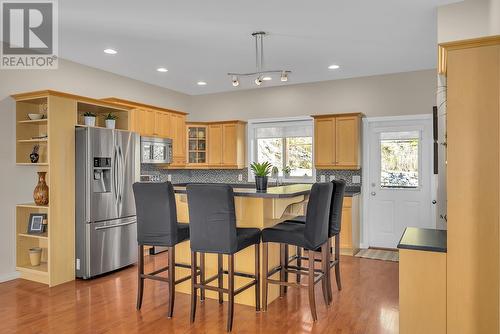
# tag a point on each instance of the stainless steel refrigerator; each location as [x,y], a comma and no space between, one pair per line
[107,165]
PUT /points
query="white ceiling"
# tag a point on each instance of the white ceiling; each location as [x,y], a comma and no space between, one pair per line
[203,40]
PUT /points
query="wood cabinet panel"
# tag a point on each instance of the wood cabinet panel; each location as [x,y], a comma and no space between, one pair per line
[337,141]
[162,124]
[422,292]
[473,89]
[178,135]
[347,141]
[324,142]
[215,144]
[229,144]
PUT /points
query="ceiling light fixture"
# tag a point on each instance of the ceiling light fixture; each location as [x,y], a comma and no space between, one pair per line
[261,74]
[236,81]
[110,51]
[162,69]
[333,67]
[284,76]
[201,83]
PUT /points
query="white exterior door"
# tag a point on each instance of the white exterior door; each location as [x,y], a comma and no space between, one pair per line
[399,183]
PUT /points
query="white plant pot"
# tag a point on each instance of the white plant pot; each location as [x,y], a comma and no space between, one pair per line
[110,123]
[89,120]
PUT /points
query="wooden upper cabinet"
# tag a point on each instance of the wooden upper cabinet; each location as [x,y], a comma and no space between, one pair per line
[215,144]
[347,141]
[227,144]
[162,124]
[337,141]
[324,142]
[178,135]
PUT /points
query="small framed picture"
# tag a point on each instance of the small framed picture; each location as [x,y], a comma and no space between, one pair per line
[35,224]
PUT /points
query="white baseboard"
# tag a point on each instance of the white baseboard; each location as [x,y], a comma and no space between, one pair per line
[8,276]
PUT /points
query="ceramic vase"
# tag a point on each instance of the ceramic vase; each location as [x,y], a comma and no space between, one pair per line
[41,192]
[261,183]
[89,120]
[110,123]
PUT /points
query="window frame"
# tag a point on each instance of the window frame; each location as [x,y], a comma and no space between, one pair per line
[252,146]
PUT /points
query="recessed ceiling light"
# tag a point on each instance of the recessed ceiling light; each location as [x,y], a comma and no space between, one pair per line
[162,69]
[110,51]
[333,67]
[267,78]
[201,83]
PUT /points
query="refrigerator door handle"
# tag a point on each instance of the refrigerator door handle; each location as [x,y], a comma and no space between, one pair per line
[113,226]
[115,174]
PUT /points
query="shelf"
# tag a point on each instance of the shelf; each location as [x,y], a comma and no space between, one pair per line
[32,164]
[32,206]
[34,121]
[34,236]
[41,269]
[40,140]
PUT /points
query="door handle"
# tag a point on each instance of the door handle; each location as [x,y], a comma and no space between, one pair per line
[373,193]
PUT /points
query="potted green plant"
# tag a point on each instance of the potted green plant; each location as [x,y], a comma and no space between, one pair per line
[286,171]
[261,172]
[110,120]
[89,118]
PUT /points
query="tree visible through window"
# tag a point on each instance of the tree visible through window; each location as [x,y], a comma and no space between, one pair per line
[399,163]
[292,152]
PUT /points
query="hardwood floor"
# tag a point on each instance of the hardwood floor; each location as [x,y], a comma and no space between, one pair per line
[368,303]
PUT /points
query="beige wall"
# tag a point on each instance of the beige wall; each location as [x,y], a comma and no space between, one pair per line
[17,183]
[385,95]
[468,19]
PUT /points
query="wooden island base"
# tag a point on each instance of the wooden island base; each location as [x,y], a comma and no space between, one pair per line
[250,212]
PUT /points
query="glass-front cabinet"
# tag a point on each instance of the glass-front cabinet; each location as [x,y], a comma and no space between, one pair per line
[197,144]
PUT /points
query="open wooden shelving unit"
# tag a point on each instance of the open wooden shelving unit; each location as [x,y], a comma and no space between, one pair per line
[62,112]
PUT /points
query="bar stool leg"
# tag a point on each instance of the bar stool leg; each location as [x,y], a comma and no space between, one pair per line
[282,269]
[257,277]
[202,275]
[264,277]
[325,264]
[328,270]
[220,277]
[312,299]
[194,280]
[140,279]
[171,281]
[230,306]
[287,256]
[299,262]
[337,258]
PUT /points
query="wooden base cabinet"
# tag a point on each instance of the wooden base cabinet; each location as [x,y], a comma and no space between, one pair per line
[350,233]
[337,143]
[422,292]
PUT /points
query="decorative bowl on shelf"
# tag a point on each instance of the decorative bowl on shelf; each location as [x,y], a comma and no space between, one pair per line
[34,117]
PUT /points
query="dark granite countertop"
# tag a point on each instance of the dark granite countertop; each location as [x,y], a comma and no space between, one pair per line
[273,191]
[423,239]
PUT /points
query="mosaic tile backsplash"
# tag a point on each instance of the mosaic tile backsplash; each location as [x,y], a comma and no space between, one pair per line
[231,175]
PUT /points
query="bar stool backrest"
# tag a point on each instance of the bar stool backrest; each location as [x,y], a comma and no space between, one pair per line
[212,218]
[156,214]
[336,208]
[318,214]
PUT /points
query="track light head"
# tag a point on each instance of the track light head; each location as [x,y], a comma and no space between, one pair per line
[284,76]
[258,81]
[236,81]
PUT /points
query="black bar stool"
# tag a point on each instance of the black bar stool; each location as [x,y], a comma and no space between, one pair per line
[213,229]
[310,236]
[335,223]
[157,226]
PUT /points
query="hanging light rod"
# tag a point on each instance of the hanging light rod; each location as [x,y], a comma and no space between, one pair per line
[260,73]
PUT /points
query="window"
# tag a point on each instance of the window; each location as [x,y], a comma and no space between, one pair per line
[399,155]
[287,145]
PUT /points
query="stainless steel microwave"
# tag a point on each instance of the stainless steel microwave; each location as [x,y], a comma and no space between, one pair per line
[156,150]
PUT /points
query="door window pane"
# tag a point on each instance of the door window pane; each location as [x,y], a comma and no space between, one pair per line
[299,156]
[399,154]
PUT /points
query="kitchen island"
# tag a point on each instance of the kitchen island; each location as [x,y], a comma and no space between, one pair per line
[253,209]
[262,210]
